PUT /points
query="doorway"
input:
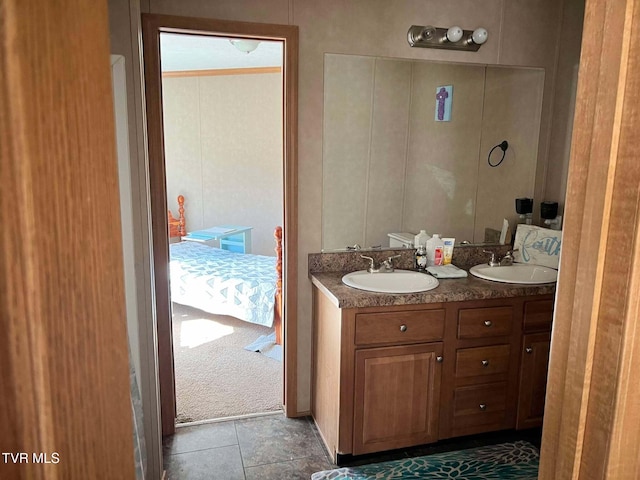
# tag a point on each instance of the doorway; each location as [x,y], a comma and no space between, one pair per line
[222,119]
[153,27]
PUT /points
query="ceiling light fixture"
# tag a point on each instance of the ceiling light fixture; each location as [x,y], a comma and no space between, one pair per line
[245,45]
[452,38]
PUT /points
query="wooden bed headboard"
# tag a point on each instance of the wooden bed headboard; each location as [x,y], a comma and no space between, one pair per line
[178,229]
[177,226]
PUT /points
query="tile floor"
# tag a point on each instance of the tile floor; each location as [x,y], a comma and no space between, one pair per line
[259,448]
[276,447]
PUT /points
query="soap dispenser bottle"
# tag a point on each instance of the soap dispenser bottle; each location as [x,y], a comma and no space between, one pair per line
[421,257]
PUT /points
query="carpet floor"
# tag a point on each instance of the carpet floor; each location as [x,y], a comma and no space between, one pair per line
[215,376]
[515,460]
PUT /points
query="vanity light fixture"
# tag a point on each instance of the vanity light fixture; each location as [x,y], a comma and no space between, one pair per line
[452,38]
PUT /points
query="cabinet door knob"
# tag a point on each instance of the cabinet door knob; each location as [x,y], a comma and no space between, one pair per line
[403,328]
[488,323]
[485,363]
[529,349]
[483,406]
[439,359]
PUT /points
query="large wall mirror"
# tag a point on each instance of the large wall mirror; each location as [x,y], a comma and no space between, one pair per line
[390,164]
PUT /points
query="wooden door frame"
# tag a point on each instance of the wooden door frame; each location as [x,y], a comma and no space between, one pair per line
[592,420]
[152,26]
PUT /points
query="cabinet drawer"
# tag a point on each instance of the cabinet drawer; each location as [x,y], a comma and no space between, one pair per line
[485,322]
[482,360]
[480,405]
[399,327]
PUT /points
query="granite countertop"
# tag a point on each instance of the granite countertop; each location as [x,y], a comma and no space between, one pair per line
[449,290]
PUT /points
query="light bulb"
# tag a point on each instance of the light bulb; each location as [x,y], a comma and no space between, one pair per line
[454,34]
[479,36]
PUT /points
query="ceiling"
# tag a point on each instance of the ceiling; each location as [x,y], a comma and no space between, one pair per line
[180,52]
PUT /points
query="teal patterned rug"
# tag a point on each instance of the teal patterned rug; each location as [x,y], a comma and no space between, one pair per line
[517,460]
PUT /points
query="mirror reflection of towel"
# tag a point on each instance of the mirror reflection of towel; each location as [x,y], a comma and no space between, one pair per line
[537,245]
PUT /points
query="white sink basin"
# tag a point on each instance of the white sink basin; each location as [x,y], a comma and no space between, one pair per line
[398,281]
[516,273]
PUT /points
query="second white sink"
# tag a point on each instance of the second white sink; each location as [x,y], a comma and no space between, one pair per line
[398,281]
[517,273]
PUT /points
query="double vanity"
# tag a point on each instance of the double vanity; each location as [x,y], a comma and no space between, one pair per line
[396,370]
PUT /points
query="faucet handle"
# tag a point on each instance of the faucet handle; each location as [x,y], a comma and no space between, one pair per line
[493,254]
[492,261]
[372,267]
[388,263]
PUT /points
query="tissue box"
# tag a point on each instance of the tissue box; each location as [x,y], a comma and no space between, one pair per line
[537,245]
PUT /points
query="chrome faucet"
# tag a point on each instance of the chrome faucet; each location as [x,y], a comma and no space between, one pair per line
[493,262]
[505,261]
[388,263]
[386,266]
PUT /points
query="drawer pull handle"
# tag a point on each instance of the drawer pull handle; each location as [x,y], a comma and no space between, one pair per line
[529,349]
[439,359]
[403,328]
[483,406]
[485,363]
[488,323]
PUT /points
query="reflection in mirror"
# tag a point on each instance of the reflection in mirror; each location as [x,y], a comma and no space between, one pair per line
[389,164]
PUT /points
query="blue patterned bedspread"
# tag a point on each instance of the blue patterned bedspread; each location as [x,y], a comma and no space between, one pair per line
[223,283]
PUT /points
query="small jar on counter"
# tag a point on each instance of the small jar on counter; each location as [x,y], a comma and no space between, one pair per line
[421,257]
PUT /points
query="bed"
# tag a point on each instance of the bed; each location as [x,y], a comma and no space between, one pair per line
[244,286]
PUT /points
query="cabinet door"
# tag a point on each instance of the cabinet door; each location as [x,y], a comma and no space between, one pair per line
[533,379]
[397,390]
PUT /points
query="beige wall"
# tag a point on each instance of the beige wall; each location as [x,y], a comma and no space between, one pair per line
[521,32]
[223,152]
[442,162]
[513,101]
[388,166]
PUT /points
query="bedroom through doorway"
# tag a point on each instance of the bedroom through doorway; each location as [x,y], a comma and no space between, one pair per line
[222,109]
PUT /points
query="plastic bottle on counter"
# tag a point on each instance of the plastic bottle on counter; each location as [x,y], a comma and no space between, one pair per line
[435,250]
[421,257]
[421,239]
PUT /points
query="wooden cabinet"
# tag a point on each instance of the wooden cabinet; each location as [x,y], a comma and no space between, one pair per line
[534,363]
[398,376]
[397,394]
[533,379]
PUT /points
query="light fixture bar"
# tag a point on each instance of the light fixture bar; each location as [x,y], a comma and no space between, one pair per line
[436,37]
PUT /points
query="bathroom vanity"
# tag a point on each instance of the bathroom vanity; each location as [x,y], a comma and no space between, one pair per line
[393,371]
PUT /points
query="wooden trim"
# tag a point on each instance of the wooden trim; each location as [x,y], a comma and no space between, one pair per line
[222,71]
[592,420]
[64,381]
[290,96]
[158,197]
[152,25]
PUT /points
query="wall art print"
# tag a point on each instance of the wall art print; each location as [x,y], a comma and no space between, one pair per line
[444,98]
[537,245]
